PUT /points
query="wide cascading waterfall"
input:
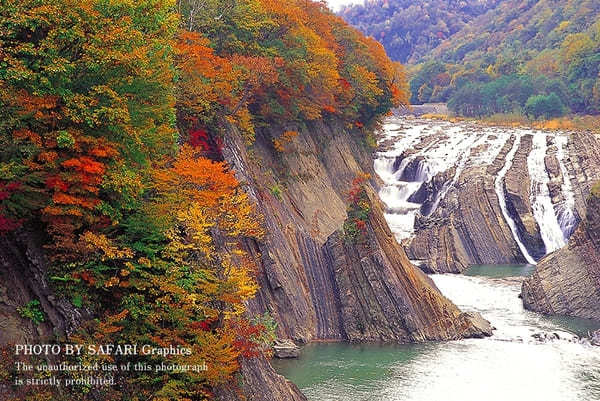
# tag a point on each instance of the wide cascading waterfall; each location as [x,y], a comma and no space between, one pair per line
[541,202]
[499,186]
[416,151]
[565,210]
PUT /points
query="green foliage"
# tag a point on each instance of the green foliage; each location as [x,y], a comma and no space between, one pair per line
[65,140]
[555,49]
[267,337]
[32,310]
[546,106]
[276,191]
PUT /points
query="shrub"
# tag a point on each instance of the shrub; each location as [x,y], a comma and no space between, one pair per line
[32,310]
[546,106]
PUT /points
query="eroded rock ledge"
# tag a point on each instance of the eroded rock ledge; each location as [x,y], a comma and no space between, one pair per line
[567,282]
[383,297]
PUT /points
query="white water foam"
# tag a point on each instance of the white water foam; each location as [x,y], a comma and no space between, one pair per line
[541,203]
[565,210]
[499,186]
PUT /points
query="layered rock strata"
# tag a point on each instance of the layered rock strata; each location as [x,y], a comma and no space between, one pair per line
[468,226]
[316,286]
[567,282]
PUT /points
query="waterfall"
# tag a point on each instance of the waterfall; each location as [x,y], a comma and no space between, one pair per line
[565,210]
[541,202]
[400,213]
[499,183]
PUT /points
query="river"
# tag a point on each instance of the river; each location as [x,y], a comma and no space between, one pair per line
[530,357]
[511,365]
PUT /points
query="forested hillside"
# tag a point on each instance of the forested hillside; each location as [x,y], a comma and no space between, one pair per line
[535,58]
[409,29]
[113,121]
[539,58]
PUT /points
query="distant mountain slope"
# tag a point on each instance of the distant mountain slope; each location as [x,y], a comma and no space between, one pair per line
[519,28]
[535,57]
[409,29]
[539,58]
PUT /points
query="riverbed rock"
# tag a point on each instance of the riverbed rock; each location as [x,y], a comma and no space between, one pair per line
[285,349]
[483,328]
[517,187]
[567,282]
[429,192]
[468,226]
[595,340]
[414,170]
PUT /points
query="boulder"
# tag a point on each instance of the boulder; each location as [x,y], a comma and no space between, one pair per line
[284,349]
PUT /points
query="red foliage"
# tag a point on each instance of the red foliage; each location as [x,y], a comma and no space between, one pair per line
[199,138]
[245,333]
[56,183]
[357,187]
[7,224]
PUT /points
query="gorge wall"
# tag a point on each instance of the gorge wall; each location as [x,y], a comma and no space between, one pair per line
[316,284]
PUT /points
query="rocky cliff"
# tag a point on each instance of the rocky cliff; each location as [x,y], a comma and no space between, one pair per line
[316,285]
[567,282]
[23,279]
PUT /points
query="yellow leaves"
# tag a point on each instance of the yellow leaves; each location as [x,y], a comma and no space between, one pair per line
[286,138]
[105,246]
[365,83]
[575,45]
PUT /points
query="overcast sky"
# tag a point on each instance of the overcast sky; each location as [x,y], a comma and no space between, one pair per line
[336,4]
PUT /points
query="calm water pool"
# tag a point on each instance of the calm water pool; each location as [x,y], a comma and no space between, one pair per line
[510,366]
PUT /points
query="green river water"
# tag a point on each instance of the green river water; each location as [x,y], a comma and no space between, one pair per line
[509,366]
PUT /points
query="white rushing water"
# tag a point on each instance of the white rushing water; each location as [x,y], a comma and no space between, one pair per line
[441,146]
[565,210]
[511,365]
[541,203]
[499,186]
[450,145]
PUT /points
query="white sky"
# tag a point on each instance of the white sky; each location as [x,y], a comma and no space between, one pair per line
[336,4]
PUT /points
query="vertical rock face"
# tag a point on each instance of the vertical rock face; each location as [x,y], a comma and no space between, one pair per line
[567,282]
[383,297]
[312,282]
[22,280]
[315,285]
